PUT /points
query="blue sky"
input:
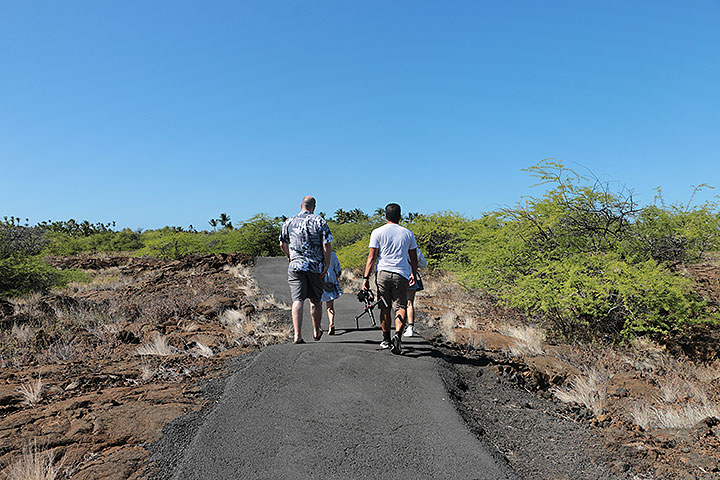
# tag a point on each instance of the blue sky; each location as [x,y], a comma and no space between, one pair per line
[154,113]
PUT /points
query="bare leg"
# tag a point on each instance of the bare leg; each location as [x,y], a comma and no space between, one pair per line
[330,307]
[316,314]
[297,315]
[411,307]
[400,320]
[385,320]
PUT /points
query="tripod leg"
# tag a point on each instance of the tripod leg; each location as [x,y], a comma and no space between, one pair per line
[372,317]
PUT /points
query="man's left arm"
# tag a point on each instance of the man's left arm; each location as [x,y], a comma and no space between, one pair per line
[413,264]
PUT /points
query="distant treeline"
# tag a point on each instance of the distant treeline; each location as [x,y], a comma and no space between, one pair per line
[584,260]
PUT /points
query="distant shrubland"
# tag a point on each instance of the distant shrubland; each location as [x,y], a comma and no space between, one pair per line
[584,260]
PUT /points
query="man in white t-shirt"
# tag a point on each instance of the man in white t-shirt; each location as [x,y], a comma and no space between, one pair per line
[395,250]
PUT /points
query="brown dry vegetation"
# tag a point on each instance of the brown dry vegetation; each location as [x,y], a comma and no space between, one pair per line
[91,374]
[657,409]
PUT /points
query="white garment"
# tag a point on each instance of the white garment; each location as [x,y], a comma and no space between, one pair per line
[393,243]
[332,276]
[422,261]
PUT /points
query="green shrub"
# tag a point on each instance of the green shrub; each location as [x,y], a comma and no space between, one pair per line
[258,236]
[24,275]
[345,234]
[169,244]
[355,254]
[601,295]
[20,241]
[588,261]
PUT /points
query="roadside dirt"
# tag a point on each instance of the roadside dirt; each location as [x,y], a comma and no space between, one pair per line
[146,346]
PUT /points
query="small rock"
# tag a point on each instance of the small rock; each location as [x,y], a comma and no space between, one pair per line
[6,308]
[127,337]
[79,404]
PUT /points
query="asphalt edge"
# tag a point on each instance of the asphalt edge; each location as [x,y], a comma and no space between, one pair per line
[178,435]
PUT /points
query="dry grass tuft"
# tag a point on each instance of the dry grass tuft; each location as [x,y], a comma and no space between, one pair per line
[470,323]
[159,346]
[672,417]
[674,388]
[191,327]
[447,324]
[23,333]
[265,302]
[31,392]
[26,301]
[708,373]
[588,390]
[160,373]
[147,373]
[33,465]
[240,271]
[201,350]
[252,291]
[256,330]
[232,316]
[530,340]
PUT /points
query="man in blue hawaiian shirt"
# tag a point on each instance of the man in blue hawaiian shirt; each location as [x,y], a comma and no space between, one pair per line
[305,239]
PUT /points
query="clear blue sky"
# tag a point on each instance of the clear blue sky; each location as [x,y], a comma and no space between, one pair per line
[154,113]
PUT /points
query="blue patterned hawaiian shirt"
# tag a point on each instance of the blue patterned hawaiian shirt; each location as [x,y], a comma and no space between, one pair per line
[305,234]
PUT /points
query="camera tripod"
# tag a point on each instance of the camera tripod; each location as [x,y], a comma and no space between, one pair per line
[366,296]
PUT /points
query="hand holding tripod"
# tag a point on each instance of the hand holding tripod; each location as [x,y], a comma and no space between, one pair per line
[367,297]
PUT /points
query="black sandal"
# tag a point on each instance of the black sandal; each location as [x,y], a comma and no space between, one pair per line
[319,335]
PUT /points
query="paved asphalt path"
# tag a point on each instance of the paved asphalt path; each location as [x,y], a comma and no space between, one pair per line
[337,408]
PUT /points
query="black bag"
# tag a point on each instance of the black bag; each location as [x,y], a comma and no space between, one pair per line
[329,287]
[418,286]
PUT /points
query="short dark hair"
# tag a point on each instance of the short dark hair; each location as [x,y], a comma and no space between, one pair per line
[392,212]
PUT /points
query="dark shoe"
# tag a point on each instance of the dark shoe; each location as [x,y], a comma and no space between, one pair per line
[299,341]
[396,348]
[319,336]
[331,330]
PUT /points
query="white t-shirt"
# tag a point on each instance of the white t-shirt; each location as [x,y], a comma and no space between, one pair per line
[393,243]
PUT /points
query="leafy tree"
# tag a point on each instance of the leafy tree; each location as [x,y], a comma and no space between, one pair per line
[355,215]
[258,236]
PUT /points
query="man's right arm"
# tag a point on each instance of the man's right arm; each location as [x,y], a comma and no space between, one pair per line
[372,257]
[285,249]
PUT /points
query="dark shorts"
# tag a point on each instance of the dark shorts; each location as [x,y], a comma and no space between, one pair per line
[304,284]
[393,287]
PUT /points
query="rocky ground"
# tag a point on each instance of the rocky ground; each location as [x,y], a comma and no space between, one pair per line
[91,375]
[637,412]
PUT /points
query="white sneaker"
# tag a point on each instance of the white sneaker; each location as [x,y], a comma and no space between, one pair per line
[384,344]
[409,331]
